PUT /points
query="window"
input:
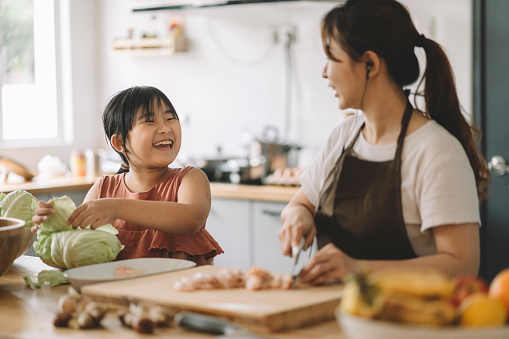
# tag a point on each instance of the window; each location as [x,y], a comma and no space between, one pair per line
[29,105]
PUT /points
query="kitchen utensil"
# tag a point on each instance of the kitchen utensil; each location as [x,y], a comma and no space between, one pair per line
[296,250]
[8,165]
[262,311]
[213,325]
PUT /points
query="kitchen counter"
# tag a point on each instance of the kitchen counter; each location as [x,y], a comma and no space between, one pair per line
[218,190]
[27,313]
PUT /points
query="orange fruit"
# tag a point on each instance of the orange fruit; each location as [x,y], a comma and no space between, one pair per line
[499,287]
[480,309]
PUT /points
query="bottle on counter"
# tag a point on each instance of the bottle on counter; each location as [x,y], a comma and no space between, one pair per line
[78,164]
[90,164]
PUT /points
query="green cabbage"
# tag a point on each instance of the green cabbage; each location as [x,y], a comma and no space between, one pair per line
[59,245]
[18,204]
[51,277]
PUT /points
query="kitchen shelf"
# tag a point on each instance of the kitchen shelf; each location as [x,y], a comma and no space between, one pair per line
[148,46]
[247,5]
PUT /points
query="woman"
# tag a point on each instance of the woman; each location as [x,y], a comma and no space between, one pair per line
[396,187]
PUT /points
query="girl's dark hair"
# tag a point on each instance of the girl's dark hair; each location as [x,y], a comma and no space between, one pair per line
[386,28]
[120,113]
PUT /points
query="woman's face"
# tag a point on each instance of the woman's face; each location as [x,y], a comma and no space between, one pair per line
[154,142]
[346,77]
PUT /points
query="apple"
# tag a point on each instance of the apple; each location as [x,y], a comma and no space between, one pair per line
[467,285]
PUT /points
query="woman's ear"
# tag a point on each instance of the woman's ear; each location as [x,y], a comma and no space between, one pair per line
[116,142]
[372,63]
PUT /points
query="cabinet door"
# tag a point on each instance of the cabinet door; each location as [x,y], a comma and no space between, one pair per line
[267,249]
[228,223]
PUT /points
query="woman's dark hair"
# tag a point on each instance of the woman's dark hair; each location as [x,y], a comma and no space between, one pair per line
[386,28]
[120,113]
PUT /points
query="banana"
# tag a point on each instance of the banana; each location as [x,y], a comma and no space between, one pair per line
[414,310]
[425,283]
[411,296]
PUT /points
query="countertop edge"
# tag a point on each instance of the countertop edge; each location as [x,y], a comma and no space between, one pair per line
[218,190]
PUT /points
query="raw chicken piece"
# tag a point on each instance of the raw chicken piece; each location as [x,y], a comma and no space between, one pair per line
[258,279]
[126,271]
[231,278]
[254,279]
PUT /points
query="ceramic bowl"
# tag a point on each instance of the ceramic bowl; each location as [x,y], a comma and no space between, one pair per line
[355,327]
[13,239]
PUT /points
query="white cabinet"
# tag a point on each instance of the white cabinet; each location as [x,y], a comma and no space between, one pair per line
[229,224]
[247,230]
[267,248]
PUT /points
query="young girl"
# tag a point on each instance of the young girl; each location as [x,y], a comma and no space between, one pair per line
[395,187]
[159,211]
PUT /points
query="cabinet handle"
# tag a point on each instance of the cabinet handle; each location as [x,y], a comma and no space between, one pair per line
[272,213]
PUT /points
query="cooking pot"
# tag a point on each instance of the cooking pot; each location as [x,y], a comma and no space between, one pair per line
[233,170]
[273,155]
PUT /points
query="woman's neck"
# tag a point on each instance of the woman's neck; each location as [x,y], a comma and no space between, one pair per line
[384,106]
[144,180]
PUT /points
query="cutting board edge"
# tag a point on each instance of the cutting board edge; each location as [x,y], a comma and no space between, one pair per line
[270,323]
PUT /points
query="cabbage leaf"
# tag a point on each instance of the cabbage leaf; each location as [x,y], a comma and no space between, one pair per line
[18,204]
[59,245]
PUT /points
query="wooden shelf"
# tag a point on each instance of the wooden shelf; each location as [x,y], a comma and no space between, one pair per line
[148,46]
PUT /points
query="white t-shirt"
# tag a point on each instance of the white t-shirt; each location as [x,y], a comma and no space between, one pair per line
[437,182]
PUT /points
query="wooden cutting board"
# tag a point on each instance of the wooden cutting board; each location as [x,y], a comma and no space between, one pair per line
[261,311]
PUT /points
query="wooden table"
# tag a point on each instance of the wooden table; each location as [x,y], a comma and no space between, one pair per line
[27,313]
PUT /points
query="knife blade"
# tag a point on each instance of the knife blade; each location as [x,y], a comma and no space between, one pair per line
[296,250]
[213,325]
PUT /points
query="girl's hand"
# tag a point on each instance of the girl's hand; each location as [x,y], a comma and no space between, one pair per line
[327,264]
[95,213]
[41,213]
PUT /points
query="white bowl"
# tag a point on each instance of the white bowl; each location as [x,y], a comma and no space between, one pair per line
[94,274]
[355,327]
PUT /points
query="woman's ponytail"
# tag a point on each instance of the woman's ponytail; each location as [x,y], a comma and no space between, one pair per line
[442,104]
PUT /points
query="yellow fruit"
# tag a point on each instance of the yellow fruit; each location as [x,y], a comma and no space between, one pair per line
[481,309]
[352,301]
[417,282]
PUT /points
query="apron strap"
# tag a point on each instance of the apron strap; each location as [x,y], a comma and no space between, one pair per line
[404,126]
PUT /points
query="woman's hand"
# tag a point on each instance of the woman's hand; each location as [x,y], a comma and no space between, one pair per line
[329,263]
[95,213]
[42,212]
[297,221]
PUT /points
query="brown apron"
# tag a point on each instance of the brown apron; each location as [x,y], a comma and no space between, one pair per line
[360,207]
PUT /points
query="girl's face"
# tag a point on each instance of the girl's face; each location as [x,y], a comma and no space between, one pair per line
[346,76]
[154,141]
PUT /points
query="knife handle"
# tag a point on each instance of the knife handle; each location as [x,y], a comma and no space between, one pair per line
[203,323]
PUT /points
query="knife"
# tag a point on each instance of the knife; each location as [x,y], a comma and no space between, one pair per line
[213,325]
[295,256]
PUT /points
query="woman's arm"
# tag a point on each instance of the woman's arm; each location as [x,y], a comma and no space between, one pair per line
[186,216]
[458,252]
[297,221]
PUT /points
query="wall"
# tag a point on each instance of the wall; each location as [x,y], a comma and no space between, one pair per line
[219,94]
[232,79]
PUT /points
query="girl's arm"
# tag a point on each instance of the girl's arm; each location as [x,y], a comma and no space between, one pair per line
[186,216]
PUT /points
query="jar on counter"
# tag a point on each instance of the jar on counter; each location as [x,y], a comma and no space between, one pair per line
[78,164]
[82,164]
